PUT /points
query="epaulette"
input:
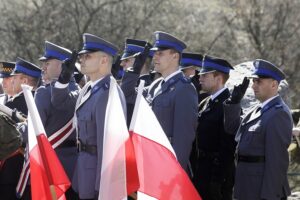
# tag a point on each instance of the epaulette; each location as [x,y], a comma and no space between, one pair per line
[185,79]
[96,88]
[276,106]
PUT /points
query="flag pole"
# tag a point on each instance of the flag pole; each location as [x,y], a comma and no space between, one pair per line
[35,117]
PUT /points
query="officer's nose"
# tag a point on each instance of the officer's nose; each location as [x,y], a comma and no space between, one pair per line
[122,63]
[79,59]
[43,67]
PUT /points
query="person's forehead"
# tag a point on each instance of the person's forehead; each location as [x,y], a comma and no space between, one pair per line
[262,80]
[162,51]
[50,61]
[17,76]
[208,74]
[88,54]
[7,78]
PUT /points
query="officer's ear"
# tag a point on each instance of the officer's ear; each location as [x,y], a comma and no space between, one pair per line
[274,84]
[176,55]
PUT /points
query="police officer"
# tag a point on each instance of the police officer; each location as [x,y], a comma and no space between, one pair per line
[172,97]
[6,69]
[263,136]
[132,49]
[190,65]
[55,110]
[23,73]
[214,167]
[96,58]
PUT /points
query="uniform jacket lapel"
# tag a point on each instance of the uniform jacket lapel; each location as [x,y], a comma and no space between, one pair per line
[209,104]
[168,85]
[253,115]
[81,98]
[85,96]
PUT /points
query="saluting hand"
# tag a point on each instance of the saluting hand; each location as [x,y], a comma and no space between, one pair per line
[238,92]
[116,67]
[68,67]
[195,81]
[140,59]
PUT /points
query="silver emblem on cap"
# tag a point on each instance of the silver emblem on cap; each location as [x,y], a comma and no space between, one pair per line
[157,36]
[256,64]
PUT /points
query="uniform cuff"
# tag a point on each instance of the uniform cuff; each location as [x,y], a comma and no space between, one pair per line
[60,85]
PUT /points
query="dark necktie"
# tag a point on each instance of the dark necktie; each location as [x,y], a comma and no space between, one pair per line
[208,105]
[210,101]
[257,109]
[88,89]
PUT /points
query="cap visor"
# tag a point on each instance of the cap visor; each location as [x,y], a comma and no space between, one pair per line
[189,66]
[126,56]
[85,51]
[206,71]
[43,58]
[4,75]
[260,76]
[253,76]
[14,73]
[159,48]
[154,49]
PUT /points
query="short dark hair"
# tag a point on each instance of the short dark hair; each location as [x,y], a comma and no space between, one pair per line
[175,51]
[224,76]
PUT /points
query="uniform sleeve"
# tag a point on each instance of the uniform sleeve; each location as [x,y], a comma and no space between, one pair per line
[185,122]
[64,98]
[232,117]
[128,85]
[277,140]
[42,101]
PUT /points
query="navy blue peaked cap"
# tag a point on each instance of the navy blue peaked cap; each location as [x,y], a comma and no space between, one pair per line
[28,68]
[167,41]
[132,47]
[53,51]
[6,68]
[211,64]
[267,69]
[92,43]
[190,59]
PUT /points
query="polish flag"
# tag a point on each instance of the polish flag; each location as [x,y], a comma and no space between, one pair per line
[48,178]
[160,174]
[118,172]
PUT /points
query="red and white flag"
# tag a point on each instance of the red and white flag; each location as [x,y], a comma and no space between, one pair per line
[160,174]
[119,171]
[48,178]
